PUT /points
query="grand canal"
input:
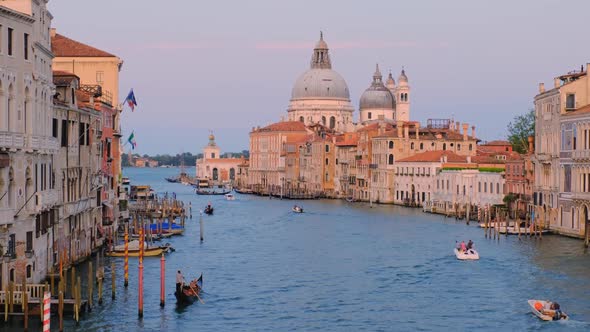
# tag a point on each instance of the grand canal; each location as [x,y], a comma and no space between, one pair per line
[345,267]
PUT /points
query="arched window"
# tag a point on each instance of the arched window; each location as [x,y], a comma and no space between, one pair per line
[459,147]
[470,147]
[232,174]
[497,188]
[412,146]
[390,161]
[327,161]
[324,120]
[369,115]
[10,107]
[332,122]
[391,144]
[444,146]
[421,146]
[301,119]
[215,174]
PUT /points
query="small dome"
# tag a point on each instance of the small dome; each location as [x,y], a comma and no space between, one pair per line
[377,96]
[402,77]
[390,82]
[320,83]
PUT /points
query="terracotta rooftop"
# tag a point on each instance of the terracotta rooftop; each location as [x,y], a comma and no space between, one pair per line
[434,156]
[284,126]
[63,78]
[498,143]
[62,46]
[348,139]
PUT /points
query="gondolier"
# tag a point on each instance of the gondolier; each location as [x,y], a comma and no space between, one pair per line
[179,281]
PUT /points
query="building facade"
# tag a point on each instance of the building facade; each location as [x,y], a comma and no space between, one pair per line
[212,167]
[28,191]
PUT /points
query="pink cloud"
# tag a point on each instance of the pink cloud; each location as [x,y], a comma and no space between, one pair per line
[368,44]
[181,46]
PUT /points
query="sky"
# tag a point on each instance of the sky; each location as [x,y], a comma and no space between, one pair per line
[227,66]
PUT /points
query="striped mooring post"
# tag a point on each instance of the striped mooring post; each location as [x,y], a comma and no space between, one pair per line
[46,311]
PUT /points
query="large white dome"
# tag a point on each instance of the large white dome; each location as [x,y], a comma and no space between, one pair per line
[377,96]
[320,83]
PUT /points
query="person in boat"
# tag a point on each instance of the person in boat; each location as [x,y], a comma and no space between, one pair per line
[457,245]
[179,281]
[469,245]
[463,246]
[555,311]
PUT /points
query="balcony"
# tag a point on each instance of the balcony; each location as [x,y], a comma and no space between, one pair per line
[42,143]
[77,207]
[12,140]
[581,155]
[45,200]
[581,196]
[6,216]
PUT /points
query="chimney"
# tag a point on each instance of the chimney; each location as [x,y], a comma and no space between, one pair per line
[406,131]
[465,126]
[531,140]
[556,83]
[52,32]
[417,126]
[541,87]
[381,130]
[473,131]
[458,127]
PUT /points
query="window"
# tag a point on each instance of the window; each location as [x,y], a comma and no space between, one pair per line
[26,46]
[570,101]
[390,161]
[491,188]
[479,186]
[64,133]
[55,127]
[444,146]
[391,144]
[458,147]
[323,120]
[470,147]
[29,271]
[0,38]
[30,241]
[421,146]
[81,133]
[99,77]
[213,155]
[10,30]
[497,188]
[327,161]
[412,146]
[301,119]
[327,177]
[485,187]
[369,115]
[332,122]
[327,148]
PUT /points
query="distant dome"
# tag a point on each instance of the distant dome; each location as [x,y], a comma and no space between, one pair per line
[377,96]
[320,81]
[402,77]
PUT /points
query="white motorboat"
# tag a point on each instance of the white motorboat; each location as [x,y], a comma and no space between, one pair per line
[469,254]
[297,209]
[542,309]
[230,197]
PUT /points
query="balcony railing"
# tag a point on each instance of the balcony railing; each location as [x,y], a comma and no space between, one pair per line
[12,140]
[581,196]
[583,154]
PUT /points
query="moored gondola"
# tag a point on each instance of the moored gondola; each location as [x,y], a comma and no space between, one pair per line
[190,293]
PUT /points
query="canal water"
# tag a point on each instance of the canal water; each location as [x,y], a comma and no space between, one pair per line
[344,267]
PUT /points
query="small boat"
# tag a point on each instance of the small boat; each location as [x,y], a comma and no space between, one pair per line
[542,309]
[243,191]
[190,293]
[208,210]
[133,250]
[350,200]
[470,254]
[212,192]
[172,180]
[297,209]
[230,197]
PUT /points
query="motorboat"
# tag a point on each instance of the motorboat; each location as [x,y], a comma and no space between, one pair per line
[230,197]
[297,209]
[543,310]
[469,254]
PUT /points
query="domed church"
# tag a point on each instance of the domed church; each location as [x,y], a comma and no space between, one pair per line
[320,95]
[377,102]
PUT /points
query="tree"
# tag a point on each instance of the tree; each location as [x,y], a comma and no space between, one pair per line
[520,129]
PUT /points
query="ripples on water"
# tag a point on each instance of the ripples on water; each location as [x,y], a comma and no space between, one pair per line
[346,267]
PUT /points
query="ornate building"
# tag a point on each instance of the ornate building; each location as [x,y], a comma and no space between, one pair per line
[320,95]
[213,168]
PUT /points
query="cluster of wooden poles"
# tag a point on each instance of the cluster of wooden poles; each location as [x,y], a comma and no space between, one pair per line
[492,226]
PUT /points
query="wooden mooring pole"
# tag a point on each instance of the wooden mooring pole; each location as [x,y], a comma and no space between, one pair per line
[162,280]
[113,276]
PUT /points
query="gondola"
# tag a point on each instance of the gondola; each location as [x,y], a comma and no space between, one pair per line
[172,180]
[207,192]
[190,293]
[208,210]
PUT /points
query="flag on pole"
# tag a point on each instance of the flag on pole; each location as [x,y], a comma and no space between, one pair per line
[130,100]
[131,140]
